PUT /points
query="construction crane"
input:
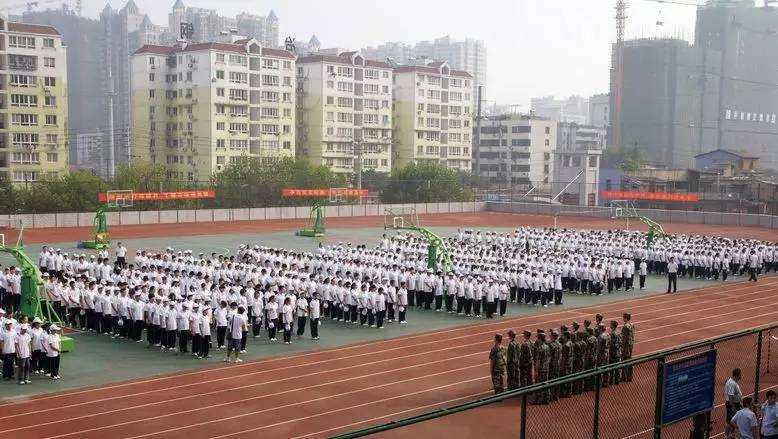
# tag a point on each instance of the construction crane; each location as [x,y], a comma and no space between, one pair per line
[30,6]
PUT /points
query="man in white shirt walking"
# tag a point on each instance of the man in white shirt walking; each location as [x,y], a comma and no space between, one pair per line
[770,416]
[236,328]
[744,421]
[732,393]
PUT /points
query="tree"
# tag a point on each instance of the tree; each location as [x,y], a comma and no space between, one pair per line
[426,182]
[251,183]
[627,159]
[374,181]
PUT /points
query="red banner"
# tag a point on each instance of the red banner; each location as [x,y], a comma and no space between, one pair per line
[650,196]
[323,192]
[103,197]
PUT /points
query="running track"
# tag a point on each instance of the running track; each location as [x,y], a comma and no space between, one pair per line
[322,393]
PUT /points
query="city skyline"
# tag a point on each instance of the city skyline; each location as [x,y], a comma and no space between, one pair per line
[522,46]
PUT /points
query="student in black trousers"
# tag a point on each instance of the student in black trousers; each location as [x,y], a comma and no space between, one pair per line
[672,276]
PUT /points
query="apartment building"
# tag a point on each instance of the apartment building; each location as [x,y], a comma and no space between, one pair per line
[433,115]
[199,107]
[33,102]
[517,149]
[577,163]
[345,112]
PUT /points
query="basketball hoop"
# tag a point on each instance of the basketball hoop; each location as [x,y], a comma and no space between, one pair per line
[119,198]
[337,195]
[400,217]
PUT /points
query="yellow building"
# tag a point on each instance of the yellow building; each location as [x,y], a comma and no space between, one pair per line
[198,107]
[33,102]
[433,115]
[345,112]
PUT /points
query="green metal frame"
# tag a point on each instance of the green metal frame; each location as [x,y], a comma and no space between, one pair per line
[32,303]
[438,257]
[315,226]
[100,237]
[526,392]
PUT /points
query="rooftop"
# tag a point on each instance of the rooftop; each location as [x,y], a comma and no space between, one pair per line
[32,28]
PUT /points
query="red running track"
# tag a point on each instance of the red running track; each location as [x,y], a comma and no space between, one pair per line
[322,393]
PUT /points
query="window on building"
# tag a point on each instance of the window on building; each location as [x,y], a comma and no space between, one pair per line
[24,100]
[287,65]
[51,139]
[220,126]
[345,102]
[238,60]
[48,62]
[219,159]
[49,81]
[287,129]
[287,112]
[330,100]
[270,80]
[52,157]
[330,84]
[221,143]
[330,116]
[268,63]
[219,57]
[188,76]
[151,77]
[25,140]
[345,86]
[286,97]
[239,77]
[21,42]
[24,119]
[48,43]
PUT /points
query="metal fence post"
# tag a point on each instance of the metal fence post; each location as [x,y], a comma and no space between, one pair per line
[660,377]
[523,428]
[597,388]
[758,365]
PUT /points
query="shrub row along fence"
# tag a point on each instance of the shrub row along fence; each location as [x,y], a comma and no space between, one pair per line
[637,409]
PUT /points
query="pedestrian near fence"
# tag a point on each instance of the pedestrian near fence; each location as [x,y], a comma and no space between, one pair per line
[733,396]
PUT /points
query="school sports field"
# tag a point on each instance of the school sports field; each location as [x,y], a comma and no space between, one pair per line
[356,377]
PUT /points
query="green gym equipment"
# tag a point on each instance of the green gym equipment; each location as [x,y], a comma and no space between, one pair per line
[100,237]
[624,209]
[405,218]
[32,303]
[315,226]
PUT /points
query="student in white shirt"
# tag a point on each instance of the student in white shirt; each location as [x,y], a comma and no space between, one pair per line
[732,393]
[53,351]
[287,319]
[272,317]
[8,348]
[220,315]
[237,327]
[315,310]
[23,354]
[205,333]
[302,315]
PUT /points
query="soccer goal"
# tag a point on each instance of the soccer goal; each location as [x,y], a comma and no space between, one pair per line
[119,199]
[400,217]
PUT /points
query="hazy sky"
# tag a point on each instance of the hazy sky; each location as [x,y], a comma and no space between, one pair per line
[535,47]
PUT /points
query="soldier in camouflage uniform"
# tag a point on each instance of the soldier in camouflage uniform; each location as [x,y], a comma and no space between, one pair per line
[627,344]
[576,329]
[579,356]
[497,364]
[603,346]
[555,360]
[566,360]
[587,325]
[598,321]
[590,358]
[512,360]
[535,347]
[615,351]
[526,360]
[543,361]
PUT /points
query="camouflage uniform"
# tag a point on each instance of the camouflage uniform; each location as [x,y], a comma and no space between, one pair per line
[627,344]
[615,356]
[579,354]
[497,365]
[603,346]
[590,358]
[555,359]
[512,359]
[566,361]
[525,363]
[543,361]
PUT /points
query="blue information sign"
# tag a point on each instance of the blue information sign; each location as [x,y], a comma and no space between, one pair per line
[689,386]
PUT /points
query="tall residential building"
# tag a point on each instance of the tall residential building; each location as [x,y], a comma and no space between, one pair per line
[599,110]
[345,112]
[669,100]
[577,163]
[124,31]
[574,109]
[86,98]
[467,55]
[744,35]
[33,102]
[517,149]
[432,115]
[209,25]
[199,107]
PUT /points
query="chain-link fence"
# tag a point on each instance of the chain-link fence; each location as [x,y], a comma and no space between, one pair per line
[623,400]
